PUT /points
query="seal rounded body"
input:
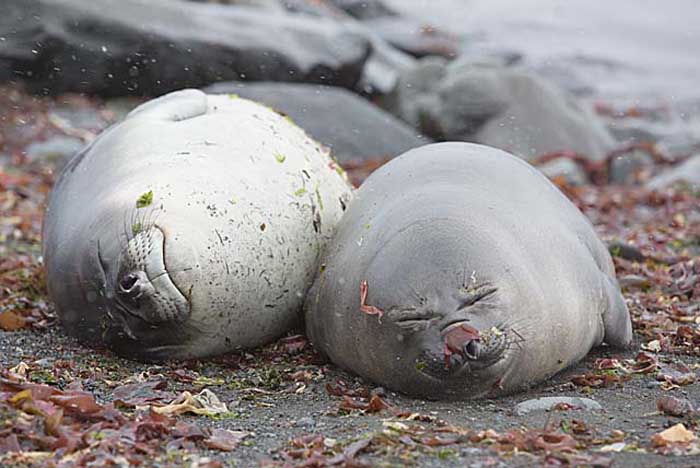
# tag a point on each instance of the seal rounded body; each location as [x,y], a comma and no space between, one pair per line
[460,271]
[191,228]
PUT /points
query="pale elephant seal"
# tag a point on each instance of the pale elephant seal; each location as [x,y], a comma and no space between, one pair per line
[191,228]
[459,271]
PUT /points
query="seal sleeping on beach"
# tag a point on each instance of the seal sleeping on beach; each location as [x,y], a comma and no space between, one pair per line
[191,228]
[460,271]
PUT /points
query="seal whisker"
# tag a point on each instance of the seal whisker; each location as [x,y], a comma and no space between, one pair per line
[167,272]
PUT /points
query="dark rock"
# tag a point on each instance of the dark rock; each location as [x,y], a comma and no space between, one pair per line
[653,384]
[364,9]
[572,173]
[56,151]
[674,132]
[402,32]
[476,57]
[632,132]
[507,108]
[313,8]
[521,113]
[418,40]
[566,76]
[549,403]
[414,99]
[86,118]
[673,406]
[121,106]
[626,252]
[150,47]
[681,144]
[625,168]
[273,5]
[352,127]
[688,172]
[6,73]
[673,135]
[306,422]
[385,62]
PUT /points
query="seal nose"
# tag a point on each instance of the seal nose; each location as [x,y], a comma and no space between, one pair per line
[131,285]
[471,349]
[460,343]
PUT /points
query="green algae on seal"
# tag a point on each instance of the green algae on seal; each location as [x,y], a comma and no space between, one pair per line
[180,233]
[460,271]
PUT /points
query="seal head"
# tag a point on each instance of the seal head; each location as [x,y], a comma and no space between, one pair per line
[440,322]
[143,304]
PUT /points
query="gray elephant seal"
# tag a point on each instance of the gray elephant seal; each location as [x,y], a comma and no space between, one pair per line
[191,228]
[460,271]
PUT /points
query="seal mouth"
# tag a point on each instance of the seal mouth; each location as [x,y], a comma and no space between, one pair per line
[465,350]
[461,341]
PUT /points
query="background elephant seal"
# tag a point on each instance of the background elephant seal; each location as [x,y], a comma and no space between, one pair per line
[460,271]
[191,228]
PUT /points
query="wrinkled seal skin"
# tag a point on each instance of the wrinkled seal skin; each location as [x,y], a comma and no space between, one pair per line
[243,201]
[459,271]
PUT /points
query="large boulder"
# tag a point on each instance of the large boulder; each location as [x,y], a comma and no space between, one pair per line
[385,63]
[364,9]
[352,127]
[504,107]
[153,46]
[267,4]
[414,37]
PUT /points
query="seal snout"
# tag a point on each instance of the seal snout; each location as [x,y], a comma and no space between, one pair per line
[143,287]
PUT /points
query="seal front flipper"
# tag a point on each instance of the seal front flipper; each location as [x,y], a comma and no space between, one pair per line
[176,106]
[616,317]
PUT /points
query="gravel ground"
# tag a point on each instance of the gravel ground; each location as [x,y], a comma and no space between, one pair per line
[276,411]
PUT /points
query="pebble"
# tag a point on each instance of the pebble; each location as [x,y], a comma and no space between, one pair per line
[46,362]
[547,403]
[305,422]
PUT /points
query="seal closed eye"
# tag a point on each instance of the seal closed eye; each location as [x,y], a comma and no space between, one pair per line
[460,271]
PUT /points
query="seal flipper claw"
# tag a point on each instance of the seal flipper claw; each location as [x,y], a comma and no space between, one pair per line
[616,317]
